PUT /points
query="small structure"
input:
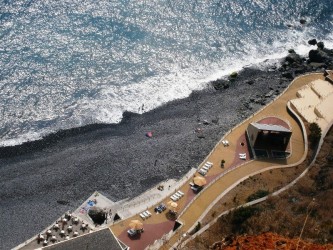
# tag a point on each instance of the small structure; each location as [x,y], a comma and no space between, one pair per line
[268,140]
[314,101]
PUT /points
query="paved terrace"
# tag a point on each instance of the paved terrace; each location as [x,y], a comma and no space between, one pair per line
[191,207]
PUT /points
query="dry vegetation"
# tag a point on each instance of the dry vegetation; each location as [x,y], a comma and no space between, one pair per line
[284,214]
[271,241]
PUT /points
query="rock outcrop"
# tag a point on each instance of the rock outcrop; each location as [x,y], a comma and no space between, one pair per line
[291,66]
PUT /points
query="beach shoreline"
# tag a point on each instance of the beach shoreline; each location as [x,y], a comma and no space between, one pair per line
[43,179]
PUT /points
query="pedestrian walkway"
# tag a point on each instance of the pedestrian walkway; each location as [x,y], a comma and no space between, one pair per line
[223,179]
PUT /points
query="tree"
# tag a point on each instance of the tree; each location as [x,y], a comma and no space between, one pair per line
[315,133]
[222,163]
[257,195]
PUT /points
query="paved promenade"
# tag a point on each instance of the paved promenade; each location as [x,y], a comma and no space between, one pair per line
[191,206]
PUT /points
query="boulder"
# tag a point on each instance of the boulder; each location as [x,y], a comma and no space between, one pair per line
[294,58]
[233,75]
[288,75]
[318,56]
[312,42]
[220,84]
[216,120]
[300,70]
[315,65]
[269,94]
[247,105]
[328,51]
[258,100]
[281,69]
[320,45]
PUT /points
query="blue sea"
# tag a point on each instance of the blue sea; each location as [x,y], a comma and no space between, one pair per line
[69,63]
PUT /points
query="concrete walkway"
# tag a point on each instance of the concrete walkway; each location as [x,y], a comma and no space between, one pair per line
[191,207]
[227,182]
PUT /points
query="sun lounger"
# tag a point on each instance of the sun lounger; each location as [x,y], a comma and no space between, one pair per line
[205,168]
[174,198]
[191,184]
[177,195]
[208,162]
[202,172]
[242,156]
[147,212]
[142,216]
[180,192]
[208,165]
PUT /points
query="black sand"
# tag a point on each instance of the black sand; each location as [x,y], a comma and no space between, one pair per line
[41,181]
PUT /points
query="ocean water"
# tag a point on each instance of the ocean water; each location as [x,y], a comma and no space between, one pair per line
[68,63]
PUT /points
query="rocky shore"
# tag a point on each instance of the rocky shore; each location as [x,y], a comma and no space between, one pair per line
[41,180]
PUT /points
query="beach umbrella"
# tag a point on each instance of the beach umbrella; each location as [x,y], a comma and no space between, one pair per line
[199,181]
[172,205]
[136,224]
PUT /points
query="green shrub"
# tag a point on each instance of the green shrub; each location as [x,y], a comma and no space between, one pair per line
[315,133]
[222,163]
[197,227]
[233,75]
[242,214]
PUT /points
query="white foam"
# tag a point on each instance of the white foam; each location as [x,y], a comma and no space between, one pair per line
[30,136]
[173,69]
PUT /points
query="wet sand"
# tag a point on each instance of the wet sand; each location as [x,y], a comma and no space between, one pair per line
[41,180]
